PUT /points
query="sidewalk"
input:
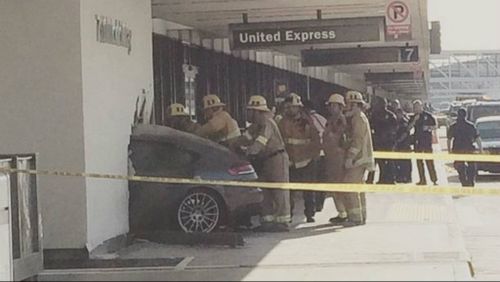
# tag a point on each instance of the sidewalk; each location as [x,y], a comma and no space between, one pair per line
[407,237]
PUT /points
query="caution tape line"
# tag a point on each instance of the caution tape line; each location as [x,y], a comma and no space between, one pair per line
[320,187]
[438,156]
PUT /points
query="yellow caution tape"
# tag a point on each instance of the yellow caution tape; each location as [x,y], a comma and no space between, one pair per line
[438,156]
[323,187]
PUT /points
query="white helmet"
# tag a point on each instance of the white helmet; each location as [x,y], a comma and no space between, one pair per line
[258,103]
[336,98]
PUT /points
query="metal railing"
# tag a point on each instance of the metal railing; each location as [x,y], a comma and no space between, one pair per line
[25,219]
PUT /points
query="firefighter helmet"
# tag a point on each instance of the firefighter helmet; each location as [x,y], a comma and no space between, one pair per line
[294,99]
[211,101]
[336,98]
[354,97]
[177,110]
[258,103]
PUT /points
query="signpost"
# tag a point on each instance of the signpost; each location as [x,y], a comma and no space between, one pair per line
[398,20]
[265,35]
[370,55]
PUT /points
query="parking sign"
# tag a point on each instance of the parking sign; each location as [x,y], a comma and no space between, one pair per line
[398,20]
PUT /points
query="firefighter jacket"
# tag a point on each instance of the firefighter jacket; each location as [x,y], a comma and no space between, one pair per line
[334,145]
[360,150]
[222,128]
[266,150]
[302,140]
[187,126]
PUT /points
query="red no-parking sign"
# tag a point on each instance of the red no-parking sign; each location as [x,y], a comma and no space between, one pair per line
[398,20]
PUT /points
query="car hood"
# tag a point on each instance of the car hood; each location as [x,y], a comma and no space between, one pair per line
[491,143]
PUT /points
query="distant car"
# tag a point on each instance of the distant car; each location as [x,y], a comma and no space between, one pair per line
[489,129]
[455,106]
[165,152]
[443,107]
[483,109]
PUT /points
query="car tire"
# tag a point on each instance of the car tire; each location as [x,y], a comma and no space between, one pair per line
[202,210]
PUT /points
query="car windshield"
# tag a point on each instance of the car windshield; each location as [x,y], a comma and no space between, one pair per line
[489,130]
[484,111]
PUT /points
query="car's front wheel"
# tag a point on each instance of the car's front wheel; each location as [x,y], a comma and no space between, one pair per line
[201,211]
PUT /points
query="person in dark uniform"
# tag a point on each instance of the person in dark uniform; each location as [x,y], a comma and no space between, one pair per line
[424,124]
[403,144]
[384,126]
[463,134]
[395,105]
[320,123]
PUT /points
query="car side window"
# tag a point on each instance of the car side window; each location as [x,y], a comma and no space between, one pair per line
[153,158]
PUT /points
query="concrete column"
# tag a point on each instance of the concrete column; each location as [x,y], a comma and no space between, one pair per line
[42,107]
[71,99]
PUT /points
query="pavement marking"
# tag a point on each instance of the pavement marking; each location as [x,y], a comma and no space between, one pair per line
[320,265]
[106,270]
[184,263]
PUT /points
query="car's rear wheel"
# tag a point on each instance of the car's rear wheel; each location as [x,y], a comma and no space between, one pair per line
[200,211]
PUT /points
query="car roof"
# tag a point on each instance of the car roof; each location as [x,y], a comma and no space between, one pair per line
[149,132]
[488,119]
[485,103]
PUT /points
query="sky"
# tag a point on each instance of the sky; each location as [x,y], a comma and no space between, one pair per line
[467,24]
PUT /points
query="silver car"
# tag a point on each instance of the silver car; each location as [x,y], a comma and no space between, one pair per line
[165,152]
[489,130]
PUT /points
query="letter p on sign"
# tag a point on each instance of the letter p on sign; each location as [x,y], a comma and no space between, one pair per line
[398,13]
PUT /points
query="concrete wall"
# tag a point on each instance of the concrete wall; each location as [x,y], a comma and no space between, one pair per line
[112,80]
[41,106]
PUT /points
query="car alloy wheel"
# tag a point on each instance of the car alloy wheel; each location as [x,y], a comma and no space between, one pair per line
[199,212]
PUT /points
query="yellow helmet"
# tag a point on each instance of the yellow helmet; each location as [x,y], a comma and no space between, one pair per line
[354,97]
[258,103]
[336,98]
[177,110]
[211,101]
[295,99]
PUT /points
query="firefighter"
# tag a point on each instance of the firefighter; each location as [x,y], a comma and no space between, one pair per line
[221,127]
[266,150]
[463,134]
[384,127]
[180,120]
[403,144]
[424,124]
[359,157]
[303,146]
[334,145]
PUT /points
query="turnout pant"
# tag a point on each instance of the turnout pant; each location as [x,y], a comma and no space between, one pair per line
[354,203]
[276,203]
[276,206]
